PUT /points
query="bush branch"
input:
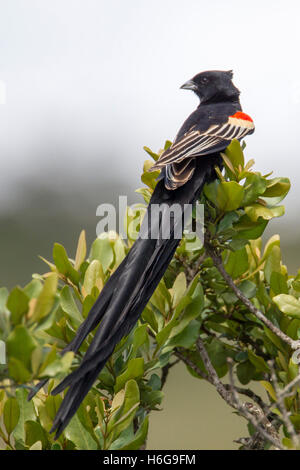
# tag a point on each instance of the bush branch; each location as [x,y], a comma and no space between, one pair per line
[217,260]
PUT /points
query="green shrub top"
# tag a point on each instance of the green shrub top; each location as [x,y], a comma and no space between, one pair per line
[244,320]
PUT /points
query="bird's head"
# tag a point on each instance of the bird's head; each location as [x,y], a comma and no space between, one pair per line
[213,86]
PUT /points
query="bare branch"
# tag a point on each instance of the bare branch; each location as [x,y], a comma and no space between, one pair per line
[212,374]
[282,408]
[191,364]
[250,394]
[255,415]
[165,372]
[217,260]
[285,391]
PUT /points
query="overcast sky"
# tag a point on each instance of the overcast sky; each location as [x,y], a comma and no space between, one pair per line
[89,82]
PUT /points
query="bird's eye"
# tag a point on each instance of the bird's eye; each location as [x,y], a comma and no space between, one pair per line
[204,80]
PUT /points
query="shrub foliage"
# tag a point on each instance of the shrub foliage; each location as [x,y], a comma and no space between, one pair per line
[245,323]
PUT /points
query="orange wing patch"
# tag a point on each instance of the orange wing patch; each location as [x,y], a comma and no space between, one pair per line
[242,121]
[241,115]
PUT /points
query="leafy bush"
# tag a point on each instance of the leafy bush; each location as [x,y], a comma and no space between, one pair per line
[227,306]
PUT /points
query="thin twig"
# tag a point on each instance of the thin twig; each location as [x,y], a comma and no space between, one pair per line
[284,392]
[165,372]
[217,260]
[214,379]
[242,391]
[191,364]
[246,409]
[250,394]
[282,408]
[255,415]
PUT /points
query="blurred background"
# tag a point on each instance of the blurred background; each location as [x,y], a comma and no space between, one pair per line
[84,84]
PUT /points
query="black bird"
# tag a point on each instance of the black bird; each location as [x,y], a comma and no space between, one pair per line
[185,167]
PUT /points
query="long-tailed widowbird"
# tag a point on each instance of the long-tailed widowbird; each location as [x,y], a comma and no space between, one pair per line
[185,167]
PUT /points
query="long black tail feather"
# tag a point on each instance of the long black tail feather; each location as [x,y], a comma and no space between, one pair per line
[93,319]
[126,294]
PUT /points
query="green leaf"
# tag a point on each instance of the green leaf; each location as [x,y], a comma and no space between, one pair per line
[258,362]
[295,419]
[122,418]
[36,359]
[178,289]
[293,330]
[34,434]
[78,434]
[46,298]
[152,398]
[227,221]
[135,369]
[33,289]
[20,344]
[11,414]
[50,357]
[155,156]
[269,388]
[293,370]
[149,178]
[168,144]
[149,316]
[255,211]
[17,371]
[69,306]
[296,284]
[278,283]
[139,437]
[17,304]
[58,367]
[277,187]
[102,251]
[248,288]
[27,413]
[81,251]
[52,405]
[235,154]
[287,442]
[192,310]
[164,333]
[241,356]
[229,196]
[247,229]
[87,305]
[237,263]
[273,262]
[93,276]
[124,438]
[63,263]
[255,185]
[245,372]
[145,193]
[139,338]
[100,408]
[161,298]
[119,251]
[210,190]
[273,241]
[217,353]
[36,446]
[185,338]
[288,304]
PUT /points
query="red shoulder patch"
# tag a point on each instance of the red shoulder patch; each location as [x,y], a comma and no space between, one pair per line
[241,115]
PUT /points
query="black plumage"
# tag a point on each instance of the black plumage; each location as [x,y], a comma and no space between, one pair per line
[130,287]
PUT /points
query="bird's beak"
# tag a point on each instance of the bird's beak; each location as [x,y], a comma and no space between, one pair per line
[189,85]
